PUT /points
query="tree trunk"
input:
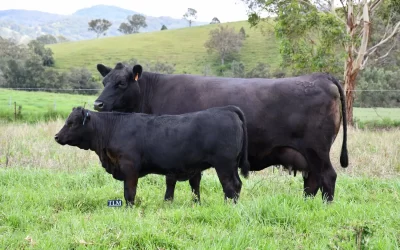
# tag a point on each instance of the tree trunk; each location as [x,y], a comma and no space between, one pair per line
[350,83]
[222,60]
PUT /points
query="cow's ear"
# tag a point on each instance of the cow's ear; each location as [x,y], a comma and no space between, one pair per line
[137,71]
[104,70]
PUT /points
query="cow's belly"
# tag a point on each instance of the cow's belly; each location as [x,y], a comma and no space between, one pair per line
[180,173]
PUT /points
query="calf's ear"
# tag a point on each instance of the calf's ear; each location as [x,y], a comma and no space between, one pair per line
[137,71]
[104,70]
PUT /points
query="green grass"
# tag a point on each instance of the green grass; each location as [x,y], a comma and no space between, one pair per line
[40,105]
[183,47]
[369,114]
[55,197]
[57,209]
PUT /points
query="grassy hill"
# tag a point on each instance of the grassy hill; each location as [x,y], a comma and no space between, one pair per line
[183,47]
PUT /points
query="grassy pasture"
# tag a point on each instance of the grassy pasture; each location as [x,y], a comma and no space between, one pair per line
[54,196]
[183,47]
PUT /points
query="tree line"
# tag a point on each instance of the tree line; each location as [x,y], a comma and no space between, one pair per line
[30,66]
[135,22]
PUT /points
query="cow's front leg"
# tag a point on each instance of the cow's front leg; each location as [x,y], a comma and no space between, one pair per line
[130,183]
[171,182]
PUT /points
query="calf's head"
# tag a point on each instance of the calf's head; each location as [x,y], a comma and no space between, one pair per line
[121,88]
[75,131]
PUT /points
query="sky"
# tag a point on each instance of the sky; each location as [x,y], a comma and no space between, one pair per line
[224,10]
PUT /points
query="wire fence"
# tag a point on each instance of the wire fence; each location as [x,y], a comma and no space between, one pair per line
[61,90]
[33,104]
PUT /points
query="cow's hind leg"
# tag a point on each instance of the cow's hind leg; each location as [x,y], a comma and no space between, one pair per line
[328,181]
[311,184]
[312,180]
[195,185]
[171,182]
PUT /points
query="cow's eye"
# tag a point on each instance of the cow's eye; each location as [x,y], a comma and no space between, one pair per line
[122,84]
[69,124]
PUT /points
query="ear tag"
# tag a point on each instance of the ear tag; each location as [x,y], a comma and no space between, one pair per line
[136,76]
[84,119]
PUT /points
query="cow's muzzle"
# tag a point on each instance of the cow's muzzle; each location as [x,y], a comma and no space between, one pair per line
[98,105]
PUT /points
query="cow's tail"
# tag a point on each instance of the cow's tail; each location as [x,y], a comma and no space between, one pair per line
[344,159]
[244,164]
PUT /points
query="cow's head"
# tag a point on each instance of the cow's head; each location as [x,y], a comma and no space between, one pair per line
[121,88]
[75,131]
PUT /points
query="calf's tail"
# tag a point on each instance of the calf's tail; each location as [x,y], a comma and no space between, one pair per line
[244,164]
[344,158]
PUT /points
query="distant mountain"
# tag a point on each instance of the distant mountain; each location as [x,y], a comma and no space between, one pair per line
[23,25]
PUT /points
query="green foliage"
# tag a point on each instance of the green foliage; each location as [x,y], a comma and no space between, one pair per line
[99,26]
[242,33]
[378,79]
[78,79]
[233,69]
[23,67]
[238,69]
[157,67]
[47,39]
[215,20]
[224,41]
[309,38]
[62,39]
[135,22]
[190,15]
[45,53]
[262,70]
[163,27]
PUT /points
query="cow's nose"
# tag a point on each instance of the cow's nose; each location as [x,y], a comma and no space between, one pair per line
[98,105]
[56,137]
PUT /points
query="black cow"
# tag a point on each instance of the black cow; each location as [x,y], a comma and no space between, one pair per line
[291,121]
[131,146]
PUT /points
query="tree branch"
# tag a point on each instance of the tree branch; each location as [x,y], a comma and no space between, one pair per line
[374,5]
[387,53]
[383,41]
[343,6]
[333,11]
[362,52]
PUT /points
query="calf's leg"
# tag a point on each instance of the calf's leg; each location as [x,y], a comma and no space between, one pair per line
[195,185]
[171,182]
[130,183]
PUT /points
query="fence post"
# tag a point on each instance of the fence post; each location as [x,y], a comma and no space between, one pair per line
[15,111]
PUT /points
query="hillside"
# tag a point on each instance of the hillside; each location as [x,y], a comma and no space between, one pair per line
[183,47]
[20,24]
